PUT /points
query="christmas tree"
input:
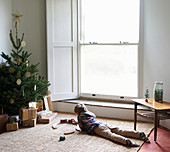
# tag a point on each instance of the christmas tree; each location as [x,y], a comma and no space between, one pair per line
[19,81]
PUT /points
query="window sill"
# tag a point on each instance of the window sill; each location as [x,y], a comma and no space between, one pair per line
[105,104]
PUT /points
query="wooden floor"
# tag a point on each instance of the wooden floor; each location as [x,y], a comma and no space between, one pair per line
[161,145]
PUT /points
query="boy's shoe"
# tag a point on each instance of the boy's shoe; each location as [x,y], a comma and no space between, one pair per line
[134,145]
[131,144]
[144,138]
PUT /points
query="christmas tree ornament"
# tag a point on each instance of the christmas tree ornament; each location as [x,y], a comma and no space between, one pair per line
[23,44]
[17,16]
[27,63]
[3,63]
[27,74]
[35,87]
[18,81]
[11,69]
[11,101]
[48,92]
[19,60]
[36,77]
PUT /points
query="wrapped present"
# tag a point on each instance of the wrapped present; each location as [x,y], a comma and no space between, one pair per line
[3,122]
[39,105]
[47,119]
[29,123]
[44,113]
[13,118]
[12,126]
[26,114]
[32,104]
[23,114]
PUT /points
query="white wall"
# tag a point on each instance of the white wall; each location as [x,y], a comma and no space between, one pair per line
[5,26]
[156,46]
[33,24]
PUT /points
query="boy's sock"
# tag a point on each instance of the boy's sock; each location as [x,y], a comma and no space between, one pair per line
[131,144]
[144,138]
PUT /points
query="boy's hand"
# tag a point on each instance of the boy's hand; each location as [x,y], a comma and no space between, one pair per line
[74,122]
[78,128]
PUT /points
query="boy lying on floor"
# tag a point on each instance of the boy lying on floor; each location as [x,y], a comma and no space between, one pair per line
[89,124]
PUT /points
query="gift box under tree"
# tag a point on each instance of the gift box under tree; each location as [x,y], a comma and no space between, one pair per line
[3,122]
[13,126]
[27,113]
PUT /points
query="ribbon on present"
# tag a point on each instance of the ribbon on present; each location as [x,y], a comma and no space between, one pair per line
[12,127]
[32,113]
[12,122]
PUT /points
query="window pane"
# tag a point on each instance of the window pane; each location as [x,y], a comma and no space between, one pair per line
[109,70]
[110,21]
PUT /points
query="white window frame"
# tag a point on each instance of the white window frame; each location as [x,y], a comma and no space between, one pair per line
[139,58]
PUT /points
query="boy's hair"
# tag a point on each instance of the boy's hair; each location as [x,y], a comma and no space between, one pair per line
[80,108]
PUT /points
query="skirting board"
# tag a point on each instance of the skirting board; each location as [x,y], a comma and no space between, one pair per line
[110,112]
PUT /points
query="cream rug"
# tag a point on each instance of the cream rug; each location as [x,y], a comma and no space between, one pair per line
[43,138]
